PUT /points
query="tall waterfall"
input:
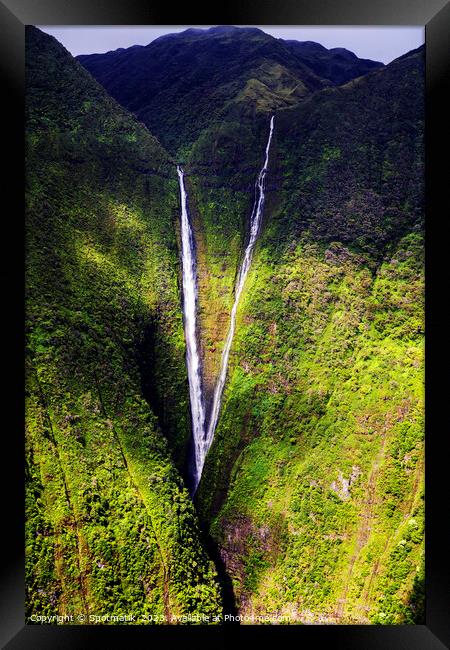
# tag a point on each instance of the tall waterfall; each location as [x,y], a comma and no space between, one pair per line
[189,271]
[255,223]
[203,438]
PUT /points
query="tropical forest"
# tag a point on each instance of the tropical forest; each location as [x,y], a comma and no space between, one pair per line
[224,333]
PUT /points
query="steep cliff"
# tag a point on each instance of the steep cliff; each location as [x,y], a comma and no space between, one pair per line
[312,492]
[110,527]
[313,485]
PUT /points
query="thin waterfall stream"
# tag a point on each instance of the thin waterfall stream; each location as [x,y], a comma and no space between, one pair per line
[203,436]
[189,271]
[255,223]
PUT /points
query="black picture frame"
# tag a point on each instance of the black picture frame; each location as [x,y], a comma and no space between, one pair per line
[435,16]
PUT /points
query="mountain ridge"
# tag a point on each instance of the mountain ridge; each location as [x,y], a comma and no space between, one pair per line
[226,60]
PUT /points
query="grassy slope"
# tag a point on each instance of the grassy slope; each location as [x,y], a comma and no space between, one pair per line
[314,482]
[110,527]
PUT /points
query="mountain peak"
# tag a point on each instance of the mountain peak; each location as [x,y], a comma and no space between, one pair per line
[343,52]
[215,70]
[312,46]
[208,32]
[223,29]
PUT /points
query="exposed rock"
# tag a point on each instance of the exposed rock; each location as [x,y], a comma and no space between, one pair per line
[342,485]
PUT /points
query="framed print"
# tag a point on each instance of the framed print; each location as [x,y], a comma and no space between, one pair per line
[231,252]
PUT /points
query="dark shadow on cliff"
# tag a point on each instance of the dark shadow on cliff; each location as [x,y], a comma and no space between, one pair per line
[146,361]
[226,584]
[160,405]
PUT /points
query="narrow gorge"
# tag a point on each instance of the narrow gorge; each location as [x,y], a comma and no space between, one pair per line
[254,227]
[224,327]
[202,435]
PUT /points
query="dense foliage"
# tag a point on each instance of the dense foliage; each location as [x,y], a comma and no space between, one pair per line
[313,485]
[357,179]
[110,526]
[312,490]
[314,480]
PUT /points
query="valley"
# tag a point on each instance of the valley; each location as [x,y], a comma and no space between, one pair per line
[225,241]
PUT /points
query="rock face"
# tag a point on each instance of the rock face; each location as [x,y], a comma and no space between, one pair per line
[342,485]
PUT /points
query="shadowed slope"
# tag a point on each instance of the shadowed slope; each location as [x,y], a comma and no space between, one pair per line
[110,526]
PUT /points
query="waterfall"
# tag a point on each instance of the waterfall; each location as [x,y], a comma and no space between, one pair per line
[189,272]
[203,438]
[255,222]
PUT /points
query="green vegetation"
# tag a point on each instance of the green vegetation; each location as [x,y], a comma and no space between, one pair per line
[110,526]
[321,432]
[313,487]
[357,179]
[317,465]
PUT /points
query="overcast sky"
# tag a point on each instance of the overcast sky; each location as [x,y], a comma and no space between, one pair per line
[377,43]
